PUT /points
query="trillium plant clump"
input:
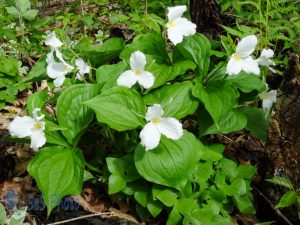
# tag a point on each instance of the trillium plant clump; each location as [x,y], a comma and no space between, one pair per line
[153,107]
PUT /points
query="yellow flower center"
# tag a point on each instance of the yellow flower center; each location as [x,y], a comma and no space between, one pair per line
[265,96]
[236,57]
[38,125]
[155,120]
[138,72]
[171,23]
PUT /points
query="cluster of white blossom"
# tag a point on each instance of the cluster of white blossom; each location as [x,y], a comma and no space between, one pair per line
[242,60]
[150,135]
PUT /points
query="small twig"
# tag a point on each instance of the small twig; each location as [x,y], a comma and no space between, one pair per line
[278,212]
[82,217]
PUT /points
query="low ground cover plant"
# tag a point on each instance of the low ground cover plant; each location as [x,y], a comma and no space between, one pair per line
[154,101]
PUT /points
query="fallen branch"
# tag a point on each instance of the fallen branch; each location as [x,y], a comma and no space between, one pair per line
[278,212]
[83,217]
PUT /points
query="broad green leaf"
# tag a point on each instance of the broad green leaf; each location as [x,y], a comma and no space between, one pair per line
[141,197]
[71,113]
[23,5]
[152,44]
[30,14]
[232,121]
[174,217]
[218,98]
[246,171]
[257,122]
[218,220]
[244,203]
[58,172]
[170,163]
[9,66]
[37,100]
[282,181]
[164,72]
[109,74]
[213,152]
[228,167]
[116,183]
[176,99]
[154,207]
[218,73]
[123,166]
[247,82]
[288,199]
[186,205]
[119,107]
[55,138]
[101,54]
[12,11]
[196,48]
[38,71]
[237,187]
[167,197]
[2,214]
[18,217]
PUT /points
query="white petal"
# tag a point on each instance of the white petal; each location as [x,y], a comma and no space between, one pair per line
[154,111]
[127,78]
[59,81]
[137,61]
[249,65]
[50,57]
[185,27]
[53,41]
[59,55]
[265,62]
[246,46]
[267,53]
[55,69]
[176,12]
[38,139]
[146,79]
[170,127]
[21,126]
[174,36]
[272,95]
[267,105]
[79,77]
[150,136]
[35,114]
[82,66]
[234,67]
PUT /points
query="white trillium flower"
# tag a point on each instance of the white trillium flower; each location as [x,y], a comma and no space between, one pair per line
[53,41]
[83,68]
[242,59]
[137,72]
[264,59]
[58,71]
[179,27]
[268,98]
[157,125]
[27,126]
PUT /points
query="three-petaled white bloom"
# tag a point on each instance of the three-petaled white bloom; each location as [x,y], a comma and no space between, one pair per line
[83,68]
[242,59]
[157,125]
[268,98]
[137,72]
[52,41]
[264,59]
[178,26]
[56,70]
[27,126]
